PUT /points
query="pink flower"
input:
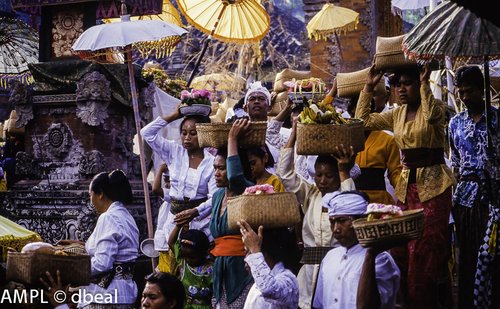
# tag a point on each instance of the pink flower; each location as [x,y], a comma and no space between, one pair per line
[205,93]
[185,95]
[195,94]
[259,189]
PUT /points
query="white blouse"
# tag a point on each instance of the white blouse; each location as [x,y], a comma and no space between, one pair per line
[114,239]
[276,288]
[176,158]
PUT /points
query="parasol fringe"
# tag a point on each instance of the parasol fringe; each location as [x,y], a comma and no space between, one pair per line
[324,34]
[17,243]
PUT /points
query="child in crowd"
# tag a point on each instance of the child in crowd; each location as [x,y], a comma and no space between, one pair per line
[259,159]
[194,266]
[268,257]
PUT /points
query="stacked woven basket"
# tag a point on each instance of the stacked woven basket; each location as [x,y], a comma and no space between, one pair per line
[216,134]
[321,139]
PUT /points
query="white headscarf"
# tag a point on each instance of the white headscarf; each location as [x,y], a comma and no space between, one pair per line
[257,87]
[345,203]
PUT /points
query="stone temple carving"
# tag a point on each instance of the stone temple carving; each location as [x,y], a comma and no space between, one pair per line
[58,140]
[27,166]
[20,97]
[92,163]
[93,96]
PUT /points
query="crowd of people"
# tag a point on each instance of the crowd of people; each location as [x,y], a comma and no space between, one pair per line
[204,263]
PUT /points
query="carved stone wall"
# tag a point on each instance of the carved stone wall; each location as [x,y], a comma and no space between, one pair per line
[67,25]
[63,211]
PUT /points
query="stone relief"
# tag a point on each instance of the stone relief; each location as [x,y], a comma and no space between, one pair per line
[27,166]
[67,25]
[58,140]
[20,97]
[92,163]
[93,96]
[147,98]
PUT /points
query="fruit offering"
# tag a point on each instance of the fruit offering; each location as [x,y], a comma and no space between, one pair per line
[321,114]
[378,211]
[313,84]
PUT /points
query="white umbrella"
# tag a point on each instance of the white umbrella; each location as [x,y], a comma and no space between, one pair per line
[411,4]
[147,36]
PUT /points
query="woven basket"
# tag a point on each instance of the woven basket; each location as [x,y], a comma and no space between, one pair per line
[279,103]
[389,54]
[351,84]
[216,134]
[321,139]
[269,210]
[390,231]
[29,267]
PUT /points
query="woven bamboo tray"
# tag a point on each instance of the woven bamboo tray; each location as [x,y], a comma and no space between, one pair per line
[216,134]
[385,232]
[321,139]
[29,267]
[269,210]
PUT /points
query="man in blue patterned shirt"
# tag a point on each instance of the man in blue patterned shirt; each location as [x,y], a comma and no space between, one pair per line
[468,142]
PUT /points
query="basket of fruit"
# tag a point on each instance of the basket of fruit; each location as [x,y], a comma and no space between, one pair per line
[195,102]
[36,258]
[260,205]
[216,134]
[321,128]
[387,225]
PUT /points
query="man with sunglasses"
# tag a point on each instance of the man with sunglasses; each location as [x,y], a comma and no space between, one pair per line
[352,276]
[472,197]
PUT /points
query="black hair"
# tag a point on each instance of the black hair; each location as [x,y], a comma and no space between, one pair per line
[196,240]
[280,244]
[221,152]
[114,185]
[261,152]
[412,71]
[196,118]
[170,286]
[469,74]
[239,104]
[326,159]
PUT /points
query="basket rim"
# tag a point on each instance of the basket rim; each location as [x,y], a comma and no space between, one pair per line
[349,120]
[78,256]
[225,124]
[260,195]
[407,215]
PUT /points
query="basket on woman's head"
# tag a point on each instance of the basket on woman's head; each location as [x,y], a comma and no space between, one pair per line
[389,54]
[195,102]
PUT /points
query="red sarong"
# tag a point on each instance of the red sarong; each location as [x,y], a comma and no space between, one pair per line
[425,280]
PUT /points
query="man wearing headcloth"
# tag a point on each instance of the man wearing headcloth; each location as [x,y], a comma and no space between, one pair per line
[352,276]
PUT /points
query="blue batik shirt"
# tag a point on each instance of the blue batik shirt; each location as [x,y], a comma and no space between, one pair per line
[468,142]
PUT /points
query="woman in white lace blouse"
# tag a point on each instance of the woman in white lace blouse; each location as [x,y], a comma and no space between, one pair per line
[268,255]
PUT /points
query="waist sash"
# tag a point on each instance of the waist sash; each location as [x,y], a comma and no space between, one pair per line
[230,245]
[371,178]
[176,206]
[119,271]
[422,157]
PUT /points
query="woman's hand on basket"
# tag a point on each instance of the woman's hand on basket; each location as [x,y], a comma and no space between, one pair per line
[372,79]
[55,293]
[345,157]
[176,114]
[239,127]
[252,241]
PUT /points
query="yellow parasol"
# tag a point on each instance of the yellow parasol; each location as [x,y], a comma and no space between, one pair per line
[13,235]
[332,19]
[168,14]
[234,21]
[218,81]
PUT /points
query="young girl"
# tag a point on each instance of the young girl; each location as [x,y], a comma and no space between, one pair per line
[258,159]
[194,266]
